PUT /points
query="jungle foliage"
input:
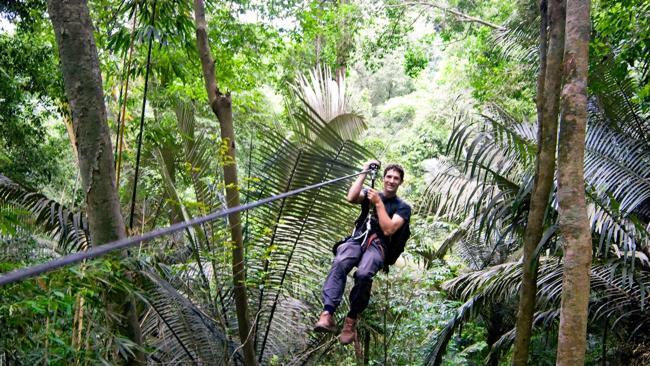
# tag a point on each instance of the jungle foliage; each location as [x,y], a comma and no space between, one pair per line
[317,88]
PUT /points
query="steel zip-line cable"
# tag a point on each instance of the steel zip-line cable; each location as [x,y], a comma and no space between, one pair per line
[101,250]
[286,267]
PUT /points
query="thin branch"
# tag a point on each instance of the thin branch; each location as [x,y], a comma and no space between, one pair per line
[446,9]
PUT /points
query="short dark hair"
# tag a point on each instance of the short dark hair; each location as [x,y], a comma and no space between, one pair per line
[397,167]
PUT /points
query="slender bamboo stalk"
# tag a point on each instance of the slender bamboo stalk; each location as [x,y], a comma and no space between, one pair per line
[144,107]
[123,100]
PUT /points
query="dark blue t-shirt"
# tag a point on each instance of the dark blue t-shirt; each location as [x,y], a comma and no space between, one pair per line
[393,205]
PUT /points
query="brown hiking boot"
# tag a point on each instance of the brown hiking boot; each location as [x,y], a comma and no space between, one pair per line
[349,332]
[326,323]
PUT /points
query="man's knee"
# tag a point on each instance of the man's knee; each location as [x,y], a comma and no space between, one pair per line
[338,262]
[364,276]
[346,255]
[343,263]
[369,266]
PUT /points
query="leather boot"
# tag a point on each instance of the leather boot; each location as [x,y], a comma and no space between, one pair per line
[349,332]
[325,323]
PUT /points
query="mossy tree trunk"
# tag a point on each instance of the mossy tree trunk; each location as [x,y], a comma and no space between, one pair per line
[83,86]
[221,105]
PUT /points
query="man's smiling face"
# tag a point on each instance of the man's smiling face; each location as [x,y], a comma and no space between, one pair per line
[392,181]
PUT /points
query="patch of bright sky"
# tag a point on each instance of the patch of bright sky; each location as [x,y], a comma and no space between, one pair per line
[6,27]
[284,24]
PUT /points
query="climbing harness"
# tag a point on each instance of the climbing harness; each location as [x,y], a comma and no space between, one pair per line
[101,250]
[373,168]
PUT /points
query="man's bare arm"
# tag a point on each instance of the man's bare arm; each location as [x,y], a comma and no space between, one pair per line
[355,193]
[388,226]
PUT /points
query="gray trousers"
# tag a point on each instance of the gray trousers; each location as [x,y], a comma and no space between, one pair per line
[368,263]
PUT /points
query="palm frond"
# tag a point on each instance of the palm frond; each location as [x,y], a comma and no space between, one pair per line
[326,100]
[615,106]
[438,347]
[541,320]
[490,179]
[69,228]
[492,151]
[290,253]
[195,337]
[199,157]
[518,39]
[205,259]
[617,173]
[621,295]
[517,136]
[616,233]
[348,125]
[618,293]
[291,245]
[497,283]
[195,236]
[453,238]
[288,242]
[496,207]
[618,165]
[452,195]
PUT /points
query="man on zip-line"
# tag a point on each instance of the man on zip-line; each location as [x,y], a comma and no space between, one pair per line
[378,239]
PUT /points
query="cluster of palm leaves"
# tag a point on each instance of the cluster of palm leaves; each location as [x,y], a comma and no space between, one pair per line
[484,186]
[287,242]
[185,280]
[65,228]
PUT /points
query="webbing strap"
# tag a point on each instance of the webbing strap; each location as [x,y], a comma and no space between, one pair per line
[101,250]
[368,220]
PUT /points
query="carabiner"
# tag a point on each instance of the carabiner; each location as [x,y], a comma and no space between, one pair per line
[373,173]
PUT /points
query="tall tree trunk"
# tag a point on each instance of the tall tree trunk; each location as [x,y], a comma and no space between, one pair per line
[221,105]
[496,326]
[548,97]
[343,45]
[83,85]
[574,224]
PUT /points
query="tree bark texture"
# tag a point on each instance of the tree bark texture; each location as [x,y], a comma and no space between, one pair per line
[574,224]
[83,86]
[548,98]
[221,105]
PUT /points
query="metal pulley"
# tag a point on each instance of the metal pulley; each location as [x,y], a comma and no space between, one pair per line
[373,174]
